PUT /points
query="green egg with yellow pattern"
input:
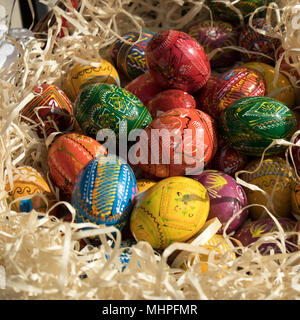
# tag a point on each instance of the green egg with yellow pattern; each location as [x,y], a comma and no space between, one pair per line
[251,124]
[108,106]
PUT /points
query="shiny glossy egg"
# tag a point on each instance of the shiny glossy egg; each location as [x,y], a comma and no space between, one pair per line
[50,108]
[282,90]
[178,142]
[170,99]
[254,230]
[144,87]
[216,34]
[81,76]
[68,155]
[254,41]
[226,197]
[130,58]
[107,106]
[104,192]
[27,181]
[177,61]
[276,179]
[235,84]
[172,210]
[295,198]
[251,124]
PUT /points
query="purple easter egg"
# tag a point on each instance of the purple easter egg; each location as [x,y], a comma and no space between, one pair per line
[252,231]
[226,196]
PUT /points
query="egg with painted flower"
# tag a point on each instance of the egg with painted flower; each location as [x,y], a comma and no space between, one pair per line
[130,57]
[82,75]
[104,192]
[177,61]
[226,197]
[107,106]
[174,209]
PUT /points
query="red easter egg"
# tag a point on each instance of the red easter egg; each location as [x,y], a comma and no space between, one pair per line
[177,61]
[206,100]
[52,106]
[67,155]
[235,84]
[186,151]
[170,99]
[229,160]
[144,87]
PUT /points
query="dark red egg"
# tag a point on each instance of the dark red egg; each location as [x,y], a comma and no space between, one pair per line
[206,100]
[254,41]
[170,99]
[177,61]
[144,87]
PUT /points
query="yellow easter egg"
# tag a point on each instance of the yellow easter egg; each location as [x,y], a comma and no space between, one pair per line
[217,244]
[296,201]
[27,181]
[143,185]
[275,178]
[282,90]
[80,76]
[172,210]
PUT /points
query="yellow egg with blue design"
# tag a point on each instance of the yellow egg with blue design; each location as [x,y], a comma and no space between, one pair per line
[104,192]
[173,210]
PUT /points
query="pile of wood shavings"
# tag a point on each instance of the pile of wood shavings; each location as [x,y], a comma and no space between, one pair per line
[42,256]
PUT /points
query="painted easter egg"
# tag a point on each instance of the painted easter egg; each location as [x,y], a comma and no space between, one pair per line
[177,61]
[104,192]
[251,124]
[206,99]
[172,210]
[52,106]
[81,76]
[245,8]
[296,201]
[276,179]
[144,87]
[282,90]
[251,40]
[143,185]
[68,155]
[254,230]
[170,99]
[130,58]
[217,244]
[229,160]
[27,181]
[216,34]
[178,142]
[107,106]
[226,197]
[235,84]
